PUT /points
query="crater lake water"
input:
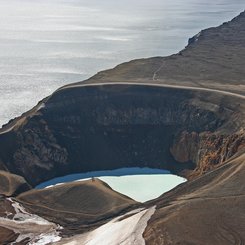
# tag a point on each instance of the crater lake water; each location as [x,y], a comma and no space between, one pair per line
[45,44]
[141,184]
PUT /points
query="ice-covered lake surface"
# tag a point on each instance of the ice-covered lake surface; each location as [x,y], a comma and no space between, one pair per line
[141,184]
[49,43]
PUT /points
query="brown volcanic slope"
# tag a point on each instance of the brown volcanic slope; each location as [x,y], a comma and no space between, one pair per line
[214,58]
[208,210]
[6,235]
[11,184]
[77,205]
[185,113]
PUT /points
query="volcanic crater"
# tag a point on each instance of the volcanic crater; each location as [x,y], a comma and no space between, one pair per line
[141,115]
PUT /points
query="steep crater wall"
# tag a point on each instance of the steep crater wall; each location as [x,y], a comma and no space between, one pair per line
[111,126]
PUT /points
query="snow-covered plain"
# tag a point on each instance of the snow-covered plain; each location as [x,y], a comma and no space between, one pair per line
[123,230]
[30,226]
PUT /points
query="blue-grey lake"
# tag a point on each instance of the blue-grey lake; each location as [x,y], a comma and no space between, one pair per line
[45,44]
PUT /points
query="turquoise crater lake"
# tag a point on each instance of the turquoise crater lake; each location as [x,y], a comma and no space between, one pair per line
[141,184]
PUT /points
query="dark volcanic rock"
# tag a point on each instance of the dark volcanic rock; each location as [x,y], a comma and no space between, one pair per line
[7,236]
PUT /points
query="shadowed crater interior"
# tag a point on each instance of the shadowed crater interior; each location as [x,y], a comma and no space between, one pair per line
[105,127]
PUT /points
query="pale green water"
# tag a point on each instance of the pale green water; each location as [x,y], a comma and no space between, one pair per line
[143,187]
[141,184]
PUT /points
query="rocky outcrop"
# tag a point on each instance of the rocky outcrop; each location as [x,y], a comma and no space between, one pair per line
[12,185]
[32,150]
[207,149]
[185,147]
